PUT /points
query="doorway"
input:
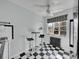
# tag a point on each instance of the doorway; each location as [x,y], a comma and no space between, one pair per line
[5,32]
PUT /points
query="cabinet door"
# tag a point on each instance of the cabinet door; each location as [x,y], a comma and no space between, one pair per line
[55,41]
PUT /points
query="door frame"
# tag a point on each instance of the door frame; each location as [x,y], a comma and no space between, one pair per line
[78,43]
[12,27]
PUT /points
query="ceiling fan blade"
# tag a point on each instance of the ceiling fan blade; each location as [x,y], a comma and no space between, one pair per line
[41,5]
[55,3]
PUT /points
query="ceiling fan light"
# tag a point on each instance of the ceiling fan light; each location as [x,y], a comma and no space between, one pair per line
[51,13]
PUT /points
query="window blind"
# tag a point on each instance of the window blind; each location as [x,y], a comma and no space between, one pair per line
[57,19]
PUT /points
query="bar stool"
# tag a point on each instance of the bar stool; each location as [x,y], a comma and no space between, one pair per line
[72,55]
[30,40]
[35,33]
[41,36]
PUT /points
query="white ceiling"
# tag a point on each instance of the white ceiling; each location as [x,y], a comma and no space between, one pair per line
[56,5]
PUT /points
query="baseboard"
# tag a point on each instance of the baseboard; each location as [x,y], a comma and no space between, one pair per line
[18,54]
[26,50]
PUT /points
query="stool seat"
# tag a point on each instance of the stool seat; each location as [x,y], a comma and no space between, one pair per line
[41,36]
[35,32]
[30,39]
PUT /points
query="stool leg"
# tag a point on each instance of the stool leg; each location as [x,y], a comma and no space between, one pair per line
[35,40]
[30,44]
[41,42]
[30,48]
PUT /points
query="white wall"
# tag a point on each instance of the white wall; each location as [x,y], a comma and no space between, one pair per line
[24,22]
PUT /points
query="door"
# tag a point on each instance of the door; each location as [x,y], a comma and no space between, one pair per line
[5,48]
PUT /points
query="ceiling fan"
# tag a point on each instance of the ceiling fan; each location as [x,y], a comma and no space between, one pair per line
[47,6]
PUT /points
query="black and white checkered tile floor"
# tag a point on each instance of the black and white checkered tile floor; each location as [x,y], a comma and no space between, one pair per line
[46,52]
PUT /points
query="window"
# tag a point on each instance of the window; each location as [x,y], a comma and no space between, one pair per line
[58,28]
[50,28]
[63,28]
[57,25]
